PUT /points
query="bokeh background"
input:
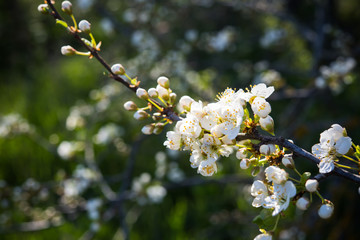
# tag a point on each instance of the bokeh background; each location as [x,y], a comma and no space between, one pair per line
[108,181]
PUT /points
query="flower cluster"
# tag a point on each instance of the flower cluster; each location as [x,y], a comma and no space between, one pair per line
[333,143]
[209,131]
[275,195]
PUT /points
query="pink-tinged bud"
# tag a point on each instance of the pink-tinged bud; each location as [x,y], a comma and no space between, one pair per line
[66,6]
[326,210]
[43,8]
[68,50]
[142,93]
[85,26]
[153,93]
[141,115]
[302,203]
[288,161]
[118,69]
[130,106]
[267,124]
[164,82]
[148,129]
[311,185]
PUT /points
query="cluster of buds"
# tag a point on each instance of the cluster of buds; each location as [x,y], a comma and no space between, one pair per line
[158,99]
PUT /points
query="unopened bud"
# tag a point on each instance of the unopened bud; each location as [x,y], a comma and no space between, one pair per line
[43,8]
[68,50]
[130,106]
[302,203]
[245,163]
[148,129]
[156,116]
[66,6]
[311,185]
[173,98]
[164,82]
[241,153]
[158,128]
[163,92]
[85,26]
[326,210]
[255,171]
[264,149]
[141,115]
[142,93]
[267,124]
[153,93]
[118,69]
[288,161]
[185,103]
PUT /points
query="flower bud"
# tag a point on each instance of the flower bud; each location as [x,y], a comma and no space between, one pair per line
[164,82]
[255,171]
[288,161]
[311,185]
[240,154]
[173,98]
[264,149]
[68,50]
[153,93]
[185,103]
[163,92]
[272,148]
[130,106]
[326,210]
[85,26]
[302,203]
[157,116]
[141,115]
[267,124]
[142,93]
[158,128]
[66,6]
[43,8]
[245,163]
[148,129]
[118,69]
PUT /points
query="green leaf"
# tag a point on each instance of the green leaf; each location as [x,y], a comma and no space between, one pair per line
[304,177]
[265,220]
[62,23]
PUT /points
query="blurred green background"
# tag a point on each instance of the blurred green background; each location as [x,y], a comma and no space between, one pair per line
[203,46]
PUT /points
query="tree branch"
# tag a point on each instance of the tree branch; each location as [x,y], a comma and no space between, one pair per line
[300,152]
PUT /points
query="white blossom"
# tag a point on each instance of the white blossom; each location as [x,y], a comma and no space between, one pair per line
[208,167]
[311,185]
[302,203]
[156,193]
[260,192]
[280,199]
[263,236]
[276,175]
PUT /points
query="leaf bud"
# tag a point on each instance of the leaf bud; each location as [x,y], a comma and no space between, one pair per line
[153,93]
[267,124]
[302,203]
[142,93]
[130,106]
[311,185]
[148,129]
[118,69]
[141,115]
[68,50]
[85,26]
[164,82]
[326,210]
[288,161]
[66,6]
[43,8]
